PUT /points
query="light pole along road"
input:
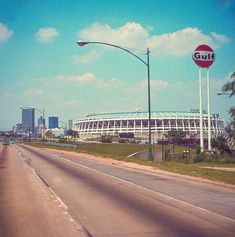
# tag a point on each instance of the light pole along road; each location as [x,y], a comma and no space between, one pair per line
[146,63]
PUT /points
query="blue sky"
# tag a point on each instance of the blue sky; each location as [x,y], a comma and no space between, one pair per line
[41,66]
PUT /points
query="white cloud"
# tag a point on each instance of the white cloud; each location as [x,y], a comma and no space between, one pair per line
[77,79]
[141,86]
[46,35]
[177,43]
[183,42]
[90,78]
[109,85]
[159,84]
[9,94]
[5,33]
[53,95]
[219,39]
[33,92]
[72,104]
[131,34]
[87,58]
[134,35]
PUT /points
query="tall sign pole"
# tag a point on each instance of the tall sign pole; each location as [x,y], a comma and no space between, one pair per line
[204,57]
[200,111]
[208,107]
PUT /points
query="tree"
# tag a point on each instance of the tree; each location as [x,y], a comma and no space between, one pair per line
[72,133]
[48,134]
[221,144]
[175,136]
[226,143]
[106,139]
[231,131]
[230,86]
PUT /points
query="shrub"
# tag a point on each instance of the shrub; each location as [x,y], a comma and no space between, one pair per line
[62,140]
[224,161]
[221,144]
[167,156]
[198,158]
[105,139]
[198,150]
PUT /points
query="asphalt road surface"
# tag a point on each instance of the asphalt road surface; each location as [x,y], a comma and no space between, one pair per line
[27,207]
[106,200]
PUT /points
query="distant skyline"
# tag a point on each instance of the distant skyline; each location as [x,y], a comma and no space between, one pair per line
[41,65]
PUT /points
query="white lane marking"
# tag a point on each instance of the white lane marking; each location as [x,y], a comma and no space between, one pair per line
[58,199]
[149,190]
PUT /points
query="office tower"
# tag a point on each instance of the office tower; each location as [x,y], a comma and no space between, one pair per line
[28,116]
[70,124]
[41,122]
[41,125]
[53,122]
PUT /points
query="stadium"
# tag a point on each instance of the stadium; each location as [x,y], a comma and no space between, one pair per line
[136,123]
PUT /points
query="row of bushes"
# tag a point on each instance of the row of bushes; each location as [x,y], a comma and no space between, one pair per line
[191,157]
[214,159]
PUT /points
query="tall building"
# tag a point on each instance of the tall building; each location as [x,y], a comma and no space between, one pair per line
[53,122]
[70,124]
[41,125]
[28,117]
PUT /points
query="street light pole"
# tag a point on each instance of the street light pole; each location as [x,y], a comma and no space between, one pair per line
[146,63]
[150,154]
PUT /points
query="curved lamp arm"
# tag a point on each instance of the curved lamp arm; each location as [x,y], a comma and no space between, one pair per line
[82,43]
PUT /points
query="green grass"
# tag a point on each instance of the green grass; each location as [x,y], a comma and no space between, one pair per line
[199,170]
[121,151]
[117,151]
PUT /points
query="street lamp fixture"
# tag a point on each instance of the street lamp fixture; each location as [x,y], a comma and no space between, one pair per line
[222,93]
[146,63]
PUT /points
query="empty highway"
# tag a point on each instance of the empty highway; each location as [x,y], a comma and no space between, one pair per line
[107,200]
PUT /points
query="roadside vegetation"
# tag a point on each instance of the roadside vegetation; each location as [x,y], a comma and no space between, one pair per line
[173,163]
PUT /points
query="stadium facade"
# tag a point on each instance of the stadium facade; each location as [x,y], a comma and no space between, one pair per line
[94,125]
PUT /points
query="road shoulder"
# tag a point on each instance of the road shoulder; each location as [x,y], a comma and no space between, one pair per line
[28,207]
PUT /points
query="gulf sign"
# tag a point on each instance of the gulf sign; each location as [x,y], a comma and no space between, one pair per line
[204,56]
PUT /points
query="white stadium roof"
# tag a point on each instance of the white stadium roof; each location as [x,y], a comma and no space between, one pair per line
[143,115]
